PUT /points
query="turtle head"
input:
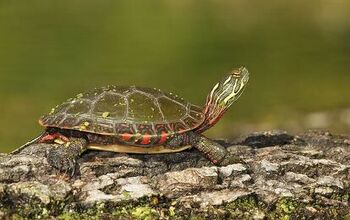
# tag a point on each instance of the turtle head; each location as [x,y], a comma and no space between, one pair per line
[223,94]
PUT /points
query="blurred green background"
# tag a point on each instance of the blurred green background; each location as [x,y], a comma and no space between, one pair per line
[298,53]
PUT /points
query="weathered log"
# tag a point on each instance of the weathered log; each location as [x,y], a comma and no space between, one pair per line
[284,176]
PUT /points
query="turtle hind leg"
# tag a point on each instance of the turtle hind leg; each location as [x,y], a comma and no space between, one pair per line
[64,156]
[52,137]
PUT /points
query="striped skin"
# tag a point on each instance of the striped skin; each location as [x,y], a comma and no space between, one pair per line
[125,115]
[221,97]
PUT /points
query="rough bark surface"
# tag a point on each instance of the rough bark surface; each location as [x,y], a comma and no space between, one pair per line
[284,176]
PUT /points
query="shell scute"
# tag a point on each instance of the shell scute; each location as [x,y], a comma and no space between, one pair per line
[68,121]
[77,107]
[143,108]
[110,105]
[171,109]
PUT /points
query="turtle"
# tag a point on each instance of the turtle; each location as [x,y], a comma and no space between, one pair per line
[138,120]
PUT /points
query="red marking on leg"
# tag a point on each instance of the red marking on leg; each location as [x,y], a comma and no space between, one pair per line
[51,137]
[163,137]
[217,118]
[126,136]
[46,138]
[146,139]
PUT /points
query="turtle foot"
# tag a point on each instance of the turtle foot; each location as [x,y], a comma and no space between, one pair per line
[230,159]
[64,157]
[62,160]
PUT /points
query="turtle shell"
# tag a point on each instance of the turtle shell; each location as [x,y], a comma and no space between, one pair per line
[141,116]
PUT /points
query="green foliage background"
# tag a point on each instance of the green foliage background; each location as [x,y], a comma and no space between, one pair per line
[298,53]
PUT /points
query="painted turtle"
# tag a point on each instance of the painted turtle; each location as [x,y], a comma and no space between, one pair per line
[137,120]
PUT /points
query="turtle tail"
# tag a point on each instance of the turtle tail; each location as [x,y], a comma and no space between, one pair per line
[33,141]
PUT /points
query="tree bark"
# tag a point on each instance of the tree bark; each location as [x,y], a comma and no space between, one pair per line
[284,176]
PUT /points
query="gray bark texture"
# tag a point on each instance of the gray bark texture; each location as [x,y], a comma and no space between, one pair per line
[284,176]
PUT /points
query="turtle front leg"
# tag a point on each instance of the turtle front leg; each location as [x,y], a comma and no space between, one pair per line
[64,156]
[213,151]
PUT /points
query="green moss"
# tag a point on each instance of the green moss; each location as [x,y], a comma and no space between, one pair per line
[120,212]
[287,207]
[172,211]
[249,207]
[196,217]
[79,216]
[32,210]
[72,216]
[347,217]
[285,217]
[245,208]
[344,196]
[146,213]
[94,213]
[139,212]
[284,209]
[126,194]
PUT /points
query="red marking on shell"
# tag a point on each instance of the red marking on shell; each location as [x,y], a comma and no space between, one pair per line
[163,137]
[146,139]
[126,136]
